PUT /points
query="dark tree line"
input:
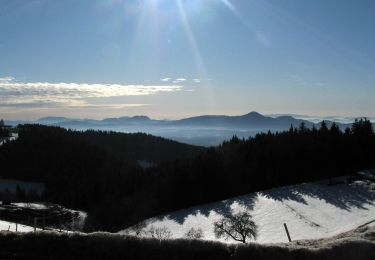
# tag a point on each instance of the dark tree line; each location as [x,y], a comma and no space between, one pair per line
[265,161]
[86,169]
[138,146]
[4,131]
[81,170]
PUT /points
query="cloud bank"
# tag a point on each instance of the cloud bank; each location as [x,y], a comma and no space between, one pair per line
[14,93]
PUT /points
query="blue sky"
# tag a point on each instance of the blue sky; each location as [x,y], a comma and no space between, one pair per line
[178,58]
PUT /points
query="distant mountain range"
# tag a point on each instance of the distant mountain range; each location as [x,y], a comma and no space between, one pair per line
[200,130]
[251,120]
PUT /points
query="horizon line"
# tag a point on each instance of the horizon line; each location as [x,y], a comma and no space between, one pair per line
[272,115]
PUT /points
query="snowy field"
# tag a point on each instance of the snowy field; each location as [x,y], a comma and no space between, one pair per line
[50,209]
[311,211]
[8,226]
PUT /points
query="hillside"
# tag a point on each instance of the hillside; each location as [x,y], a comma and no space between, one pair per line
[311,211]
[9,226]
[84,169]
[358,244]
[123,146]
[80,170]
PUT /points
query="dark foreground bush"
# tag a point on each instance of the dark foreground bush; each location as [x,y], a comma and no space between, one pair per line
[50,245]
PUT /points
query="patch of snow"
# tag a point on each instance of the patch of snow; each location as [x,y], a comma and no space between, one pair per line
[80,218]
[369,174]
[11,138]
[9,226]
[144,164]
[311,211]
[30,205]
[77,224]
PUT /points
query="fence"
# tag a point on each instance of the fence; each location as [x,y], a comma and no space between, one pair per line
[27,219]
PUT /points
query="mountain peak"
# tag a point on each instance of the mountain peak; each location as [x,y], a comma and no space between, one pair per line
[145,118]
[254,114]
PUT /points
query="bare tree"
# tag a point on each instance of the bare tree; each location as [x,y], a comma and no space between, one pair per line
[240,227]
[160,232]
[194,233]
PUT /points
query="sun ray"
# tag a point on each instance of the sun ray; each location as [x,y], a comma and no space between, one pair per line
[234,10]
[191,38]
[229,5]
[209,95]
[145,29]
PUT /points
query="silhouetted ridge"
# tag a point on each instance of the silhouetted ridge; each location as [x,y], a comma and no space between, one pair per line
[254,115]
[140,118]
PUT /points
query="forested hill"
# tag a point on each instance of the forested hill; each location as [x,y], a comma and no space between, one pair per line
[85,174]
[266,161]
[126,147]
[241,166]
[138,146]
[78,168]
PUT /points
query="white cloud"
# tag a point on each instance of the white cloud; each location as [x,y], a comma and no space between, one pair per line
[165,79]
[197,80]
[180,80]
[15,93]
[6,79]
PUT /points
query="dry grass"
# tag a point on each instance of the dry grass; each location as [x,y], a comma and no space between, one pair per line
[357,244]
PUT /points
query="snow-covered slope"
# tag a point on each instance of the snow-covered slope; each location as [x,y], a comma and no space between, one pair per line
[8,226]
[311,210]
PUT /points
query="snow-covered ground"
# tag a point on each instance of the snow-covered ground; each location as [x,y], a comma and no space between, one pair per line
[59,223]
[13,137]
[311,210]
[9,226]
[30,205]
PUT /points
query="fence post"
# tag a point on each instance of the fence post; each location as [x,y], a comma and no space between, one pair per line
[35,222]
[44,221]
[16,227]
[287,232]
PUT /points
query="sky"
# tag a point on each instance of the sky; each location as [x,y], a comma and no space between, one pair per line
[180,58]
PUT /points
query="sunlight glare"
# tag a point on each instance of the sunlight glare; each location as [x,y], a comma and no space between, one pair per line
[232,8]
[209,95]
[229,5]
